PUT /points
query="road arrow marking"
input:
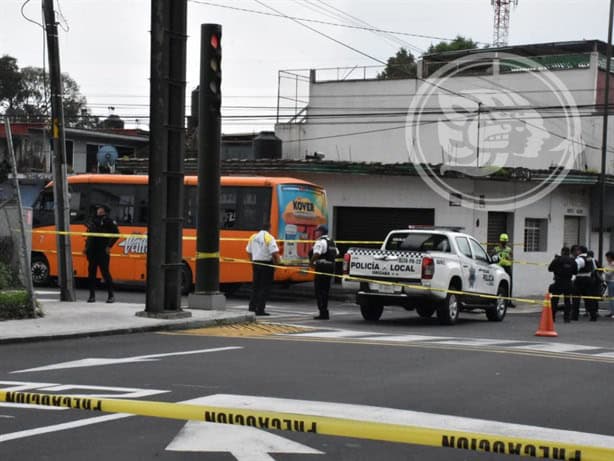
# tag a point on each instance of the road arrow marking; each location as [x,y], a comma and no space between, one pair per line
[244,443]
[96,362]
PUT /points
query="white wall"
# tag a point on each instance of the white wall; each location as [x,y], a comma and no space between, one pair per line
[343,122]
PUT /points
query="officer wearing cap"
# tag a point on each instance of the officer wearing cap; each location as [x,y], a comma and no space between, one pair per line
[322,258]
[98,250]
[504,257]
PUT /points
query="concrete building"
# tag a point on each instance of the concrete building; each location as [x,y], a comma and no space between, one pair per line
[497,140]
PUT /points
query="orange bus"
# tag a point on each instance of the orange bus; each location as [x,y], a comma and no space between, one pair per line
[293,207]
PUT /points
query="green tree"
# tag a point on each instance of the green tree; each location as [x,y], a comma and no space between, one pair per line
[401,65]
[459,43]
[11,84]
[25,93]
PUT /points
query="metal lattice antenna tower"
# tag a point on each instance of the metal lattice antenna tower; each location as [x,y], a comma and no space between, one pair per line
[502,21]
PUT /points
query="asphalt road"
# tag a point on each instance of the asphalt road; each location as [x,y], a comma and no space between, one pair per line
[476,369]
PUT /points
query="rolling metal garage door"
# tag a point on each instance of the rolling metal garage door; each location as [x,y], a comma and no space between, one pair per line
[573,231]
[368,224]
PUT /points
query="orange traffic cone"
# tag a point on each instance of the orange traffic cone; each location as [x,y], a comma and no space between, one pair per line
[546,324]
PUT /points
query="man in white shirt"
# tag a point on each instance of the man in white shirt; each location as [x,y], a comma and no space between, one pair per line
[264,252]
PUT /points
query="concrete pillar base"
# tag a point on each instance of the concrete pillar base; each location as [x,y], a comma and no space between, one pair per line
[207,301]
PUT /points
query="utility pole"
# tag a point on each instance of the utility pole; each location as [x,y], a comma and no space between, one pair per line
[25,259]
[167,144]
[604,141]
[207,294]
[60,184]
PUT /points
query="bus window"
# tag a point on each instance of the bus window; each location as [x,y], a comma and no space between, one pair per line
[120,198]
[43,214]
[189,207]
[228,208]
[254,207]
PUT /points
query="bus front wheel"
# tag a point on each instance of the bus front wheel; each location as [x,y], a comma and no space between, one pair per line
[40,270]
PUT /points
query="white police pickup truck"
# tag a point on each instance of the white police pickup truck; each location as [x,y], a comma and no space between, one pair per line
[435,270]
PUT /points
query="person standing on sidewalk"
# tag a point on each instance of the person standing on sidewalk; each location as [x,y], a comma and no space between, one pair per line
[322,258]
[264,253]
[98,250]
[564,267]
[504,257]
[584,287]
[609,279]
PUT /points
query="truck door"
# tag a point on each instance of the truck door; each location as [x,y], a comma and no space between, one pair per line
[467,264]
[485,274]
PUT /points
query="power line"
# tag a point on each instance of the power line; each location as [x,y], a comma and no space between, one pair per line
[370,29]
[356,50]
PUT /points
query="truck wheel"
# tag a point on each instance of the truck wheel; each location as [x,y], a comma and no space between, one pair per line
[447,311]
[497,312]
[186,280]
[425,311]
[371,312]
[40,270]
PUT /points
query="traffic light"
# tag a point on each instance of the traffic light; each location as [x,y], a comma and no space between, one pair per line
[212,65]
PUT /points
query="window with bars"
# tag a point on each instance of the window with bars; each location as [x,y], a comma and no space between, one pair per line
[535,234]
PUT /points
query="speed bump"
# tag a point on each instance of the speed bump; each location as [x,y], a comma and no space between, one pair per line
[246,330]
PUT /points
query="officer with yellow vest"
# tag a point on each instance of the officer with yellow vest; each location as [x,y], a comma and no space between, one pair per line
[504,257]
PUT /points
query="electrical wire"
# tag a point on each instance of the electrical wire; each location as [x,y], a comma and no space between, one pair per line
[265,13]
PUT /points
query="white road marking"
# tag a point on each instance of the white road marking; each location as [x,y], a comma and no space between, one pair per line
[475,342]
[61,427]
[556,347]
[604,354]
[244,443]
[405,338]
[334,334]
[95,362]
[408,418]
[452,341]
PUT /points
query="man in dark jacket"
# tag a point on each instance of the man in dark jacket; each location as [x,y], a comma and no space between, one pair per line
[322,258]
[564,268]
[584,287]
[98,250]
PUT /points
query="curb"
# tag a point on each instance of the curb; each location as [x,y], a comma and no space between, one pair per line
[247,318]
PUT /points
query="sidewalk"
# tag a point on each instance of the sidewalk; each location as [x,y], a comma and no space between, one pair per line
[80,319]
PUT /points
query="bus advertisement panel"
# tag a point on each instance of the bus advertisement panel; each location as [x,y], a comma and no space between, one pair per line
[301,209]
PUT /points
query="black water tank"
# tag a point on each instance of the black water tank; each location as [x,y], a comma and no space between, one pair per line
[266,145]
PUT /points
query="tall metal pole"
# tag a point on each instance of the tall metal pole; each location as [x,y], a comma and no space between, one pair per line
[60,184]
[27,273]
[207,294]
[604,141]
[167,144]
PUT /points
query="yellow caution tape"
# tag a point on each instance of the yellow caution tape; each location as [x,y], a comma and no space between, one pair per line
[299,262]
[203,255]
[324,425]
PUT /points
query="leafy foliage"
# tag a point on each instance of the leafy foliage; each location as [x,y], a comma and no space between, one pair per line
[401,65]
[16,304]
[25,93]
[459,43]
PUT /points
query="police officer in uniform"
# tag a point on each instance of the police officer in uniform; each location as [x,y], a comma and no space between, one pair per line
[98,250]
[563,267]
[504,257]
[584,285]
[322,258]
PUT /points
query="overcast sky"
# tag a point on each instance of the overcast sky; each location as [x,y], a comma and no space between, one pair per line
[105,43]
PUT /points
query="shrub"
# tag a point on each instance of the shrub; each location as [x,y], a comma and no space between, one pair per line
[15,304]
